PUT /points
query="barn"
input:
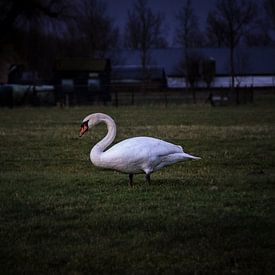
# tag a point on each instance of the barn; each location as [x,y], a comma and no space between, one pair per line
[82,80]
[253,66]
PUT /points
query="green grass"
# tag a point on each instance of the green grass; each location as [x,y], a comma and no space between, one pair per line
[59,214]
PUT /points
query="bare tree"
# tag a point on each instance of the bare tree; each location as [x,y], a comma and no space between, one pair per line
[26,25]
[260,34]
[231,18]
[189,36]
[270,10]
[96,29]
[17,16]
[215,32]
[188,32]
[144,30]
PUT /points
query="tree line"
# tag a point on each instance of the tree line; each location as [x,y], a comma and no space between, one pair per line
[39,31]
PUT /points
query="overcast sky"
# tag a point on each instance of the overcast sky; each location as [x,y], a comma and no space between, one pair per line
[118,11]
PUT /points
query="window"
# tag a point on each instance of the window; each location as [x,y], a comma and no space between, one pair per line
[93,84]
[67,85]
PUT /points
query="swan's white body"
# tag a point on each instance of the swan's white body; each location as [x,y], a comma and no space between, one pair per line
[134,155]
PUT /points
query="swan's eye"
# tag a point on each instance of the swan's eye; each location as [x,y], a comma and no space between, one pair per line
[84,124]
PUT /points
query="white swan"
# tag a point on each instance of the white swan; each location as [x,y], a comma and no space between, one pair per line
[134,155]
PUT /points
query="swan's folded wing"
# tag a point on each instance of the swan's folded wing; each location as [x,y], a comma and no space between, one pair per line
[138,152]
[144,145]
[163,148]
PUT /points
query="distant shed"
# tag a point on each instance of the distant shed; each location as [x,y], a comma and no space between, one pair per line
[133,77]
[82,80]
[254,66]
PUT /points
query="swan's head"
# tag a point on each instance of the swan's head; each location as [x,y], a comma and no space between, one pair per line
[88,122]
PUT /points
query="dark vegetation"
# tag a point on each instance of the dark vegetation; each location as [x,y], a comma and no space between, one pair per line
[36,32]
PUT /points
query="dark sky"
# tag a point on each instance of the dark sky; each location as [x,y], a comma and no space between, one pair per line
[118,11]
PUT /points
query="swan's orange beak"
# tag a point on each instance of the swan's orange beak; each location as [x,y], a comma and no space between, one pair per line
[83,129]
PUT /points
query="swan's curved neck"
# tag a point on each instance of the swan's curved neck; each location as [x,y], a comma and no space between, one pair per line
[99,148]
[111,134]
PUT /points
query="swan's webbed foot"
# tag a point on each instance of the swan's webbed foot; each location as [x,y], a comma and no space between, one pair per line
[147,178]
[131,179]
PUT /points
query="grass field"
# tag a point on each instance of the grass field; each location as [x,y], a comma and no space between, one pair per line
[59,214]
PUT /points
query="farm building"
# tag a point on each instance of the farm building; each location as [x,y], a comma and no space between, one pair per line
[133,83]
[254,66]
[82,80]
[25,87]
[19,74]
[134,77]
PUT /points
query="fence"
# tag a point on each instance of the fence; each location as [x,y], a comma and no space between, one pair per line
[152,95]
[129,95]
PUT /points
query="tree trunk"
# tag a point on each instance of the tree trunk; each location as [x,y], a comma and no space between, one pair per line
[234,91]
[144,65]
[232,68]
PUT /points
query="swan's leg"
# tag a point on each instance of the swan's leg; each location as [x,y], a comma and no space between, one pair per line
[131,179]
[147,178]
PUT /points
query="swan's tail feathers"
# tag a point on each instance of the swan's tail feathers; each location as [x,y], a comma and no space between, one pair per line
[188,156]
[174,158]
